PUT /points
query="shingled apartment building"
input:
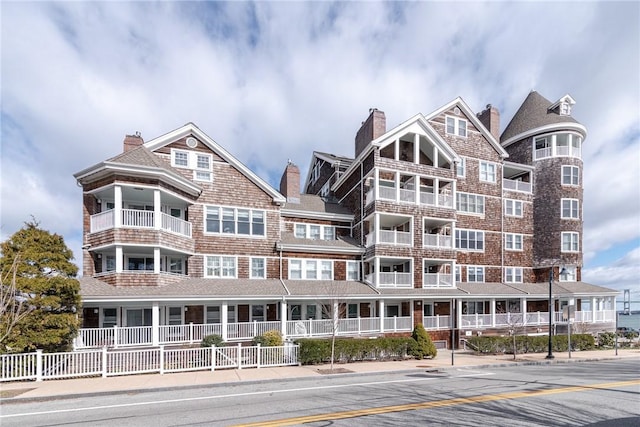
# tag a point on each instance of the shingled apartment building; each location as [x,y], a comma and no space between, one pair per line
[439,221]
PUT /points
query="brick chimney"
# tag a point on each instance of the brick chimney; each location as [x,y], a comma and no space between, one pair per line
[132,141]
[372,128]
[290,183]
[490,118]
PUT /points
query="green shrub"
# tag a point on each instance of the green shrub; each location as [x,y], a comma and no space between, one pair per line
[530,344]
[315,351]
[423,346]
[606,339]
[210,340]
[272,338]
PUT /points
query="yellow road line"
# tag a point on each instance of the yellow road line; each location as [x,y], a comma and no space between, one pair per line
[436,404]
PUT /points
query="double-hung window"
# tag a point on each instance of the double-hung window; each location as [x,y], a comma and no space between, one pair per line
[570,209]
[513,274]
[487,172]
[570,241]
[200,163]
[470,203]
[513,242]
[353,270]
[220,266]
[461,168]
[310,269]
[258,268]
[475,274]
[513,207]
[456,126]
[570,175]
[471,240]
[569,274]
[314,231]
[236,221]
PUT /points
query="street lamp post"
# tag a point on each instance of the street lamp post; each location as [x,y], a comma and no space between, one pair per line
[563,270]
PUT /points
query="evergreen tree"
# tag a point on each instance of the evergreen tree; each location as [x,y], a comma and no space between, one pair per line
[38,280]
[423,346]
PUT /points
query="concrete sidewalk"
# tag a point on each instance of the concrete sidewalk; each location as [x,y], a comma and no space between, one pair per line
[60,389]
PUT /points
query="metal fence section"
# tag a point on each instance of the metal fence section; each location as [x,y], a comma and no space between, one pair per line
[107,363]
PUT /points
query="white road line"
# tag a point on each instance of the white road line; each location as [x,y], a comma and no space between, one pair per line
[191,399]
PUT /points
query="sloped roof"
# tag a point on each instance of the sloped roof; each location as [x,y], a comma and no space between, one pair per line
[91,288]
[140,156]
[340,244]
[332,158]
[316,204]
[328,288]
[533,113]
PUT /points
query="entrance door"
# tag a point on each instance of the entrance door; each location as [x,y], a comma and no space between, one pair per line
[194,314]
[243,312]
[90,317]
[392,311]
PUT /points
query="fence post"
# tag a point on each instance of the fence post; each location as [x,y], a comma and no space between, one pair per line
[161,360]
[213,357]
[38,365]
[310,333]
[190,332]
[115,336]
[104,362]
[258,356]
[239,356]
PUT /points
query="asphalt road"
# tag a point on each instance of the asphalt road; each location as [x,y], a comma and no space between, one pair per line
[603,393]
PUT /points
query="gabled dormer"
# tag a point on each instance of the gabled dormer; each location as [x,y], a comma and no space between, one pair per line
[563,105]
[457,121]
[193,153]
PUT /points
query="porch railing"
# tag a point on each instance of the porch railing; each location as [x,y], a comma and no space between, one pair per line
[437,280]
[41,366]
[390,236]
[437,241]
[140,219]
[511,184]
[436,322]
[393,279]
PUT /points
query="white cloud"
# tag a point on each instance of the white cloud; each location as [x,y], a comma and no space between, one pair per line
[272,81]
[622,274]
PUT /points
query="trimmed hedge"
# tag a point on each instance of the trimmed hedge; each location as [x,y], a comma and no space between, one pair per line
[316,351]
[531,344]
[272,338]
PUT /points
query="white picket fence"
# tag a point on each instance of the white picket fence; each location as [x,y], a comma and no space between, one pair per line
[41,366]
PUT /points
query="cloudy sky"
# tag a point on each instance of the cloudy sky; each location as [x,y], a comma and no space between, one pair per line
[275,81]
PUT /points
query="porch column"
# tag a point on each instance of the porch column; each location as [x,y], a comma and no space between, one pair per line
[119,259]
[157,212]
[436,191]
[416,148]
[492,310]
[376,228]
[156,260]
[396,150]
[376,184]
[435,156]
[594,309]
[381,315]
[523,310]
[224,312]
[117,206]
[397,185]
[283,318]
[459,313]
[416,196]
[376,271]
[155,324]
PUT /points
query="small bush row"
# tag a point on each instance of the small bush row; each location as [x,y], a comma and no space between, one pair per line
[315,351]
[530,344]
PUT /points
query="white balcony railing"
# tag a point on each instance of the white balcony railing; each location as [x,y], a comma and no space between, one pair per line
[176,225]
[399,280]
[102,221]
[511,184]
[437,241]
[409,196]
[389,237]
[437,280]
[135,218]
